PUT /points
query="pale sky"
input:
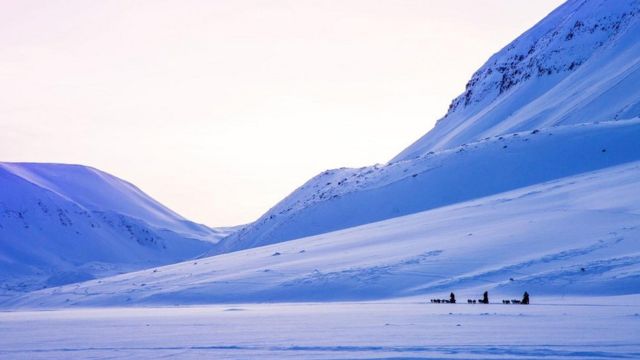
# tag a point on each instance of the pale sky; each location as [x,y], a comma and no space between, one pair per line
[219,109]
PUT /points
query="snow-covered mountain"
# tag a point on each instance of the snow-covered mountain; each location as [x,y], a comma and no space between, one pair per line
[530,182]
[579,64]
[574,75]
[574,236]
[66,223]
[339,199]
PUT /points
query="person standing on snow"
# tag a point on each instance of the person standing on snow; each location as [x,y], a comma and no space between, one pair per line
[485,298]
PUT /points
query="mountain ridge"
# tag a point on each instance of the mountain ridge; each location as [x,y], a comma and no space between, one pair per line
[579,51]
[342,198]
[64,223]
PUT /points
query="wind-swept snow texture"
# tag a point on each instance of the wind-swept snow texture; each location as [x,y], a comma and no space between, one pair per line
[575,236]
[67,223]
[579,65]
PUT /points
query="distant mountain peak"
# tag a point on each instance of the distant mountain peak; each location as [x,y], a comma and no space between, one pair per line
[64,223]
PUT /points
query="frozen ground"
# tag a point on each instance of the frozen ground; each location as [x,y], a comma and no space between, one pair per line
[551,328]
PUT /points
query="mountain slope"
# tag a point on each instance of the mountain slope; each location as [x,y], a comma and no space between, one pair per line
[580,64]
[343,198]
[65,223]
[93,189]
[573,236]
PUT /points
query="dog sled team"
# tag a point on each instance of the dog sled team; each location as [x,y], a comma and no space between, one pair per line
[484,300]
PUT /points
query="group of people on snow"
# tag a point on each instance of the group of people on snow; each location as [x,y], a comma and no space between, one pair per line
[484,300]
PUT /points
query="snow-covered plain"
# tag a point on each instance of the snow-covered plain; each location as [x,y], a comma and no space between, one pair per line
[551,328]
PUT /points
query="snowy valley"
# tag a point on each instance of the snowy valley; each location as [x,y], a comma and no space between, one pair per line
[572,236]
[530,182]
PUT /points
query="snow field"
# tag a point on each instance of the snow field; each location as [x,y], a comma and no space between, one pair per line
[551,328]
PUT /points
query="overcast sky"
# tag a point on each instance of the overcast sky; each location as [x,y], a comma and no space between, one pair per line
[219,109]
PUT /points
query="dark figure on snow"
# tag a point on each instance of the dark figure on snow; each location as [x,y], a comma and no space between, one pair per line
[452,298]
[485,298]
[525,298]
